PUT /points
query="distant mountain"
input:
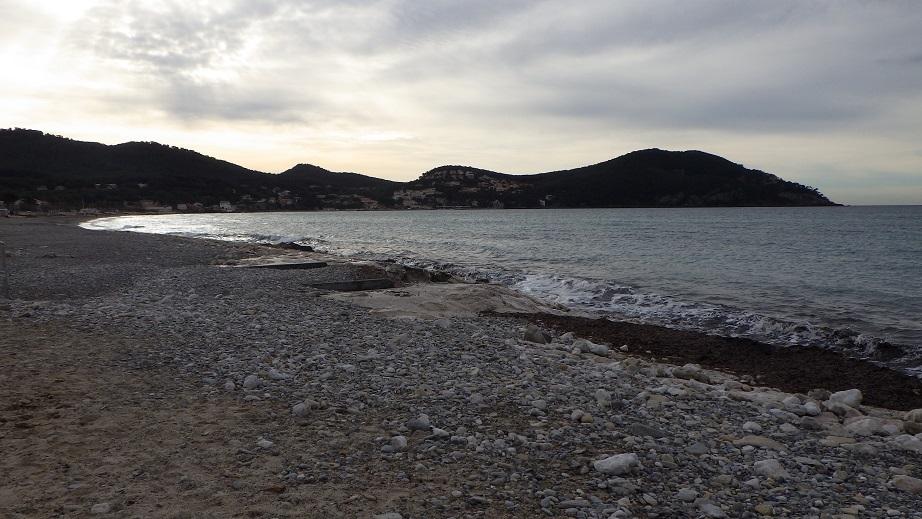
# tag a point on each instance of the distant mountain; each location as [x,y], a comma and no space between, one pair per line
[40,171]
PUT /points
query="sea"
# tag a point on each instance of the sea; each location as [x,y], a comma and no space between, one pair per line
[847,278]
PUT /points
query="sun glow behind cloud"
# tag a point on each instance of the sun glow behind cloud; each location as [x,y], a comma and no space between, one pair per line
[825,94]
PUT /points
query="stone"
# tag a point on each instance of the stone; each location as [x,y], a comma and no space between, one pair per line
[535,334]
[686,494]
[752,427]
[870,426]
[691,372]
[263,443]
[764,509]
[697,449]
[618,464]
[849,397]
[603,398]
[252,382]
[585,346]
[913,416]
[388,515]
[907,484]
[771,468]
[909,443]
[230,386]
[711,510]
[840,409]
[275,374]
[760,441]
[399,443]
[420,423]
[101,508]
[300,409]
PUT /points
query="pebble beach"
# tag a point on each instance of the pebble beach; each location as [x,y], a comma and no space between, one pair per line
[154,376]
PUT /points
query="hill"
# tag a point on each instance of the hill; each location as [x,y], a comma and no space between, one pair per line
[40,171]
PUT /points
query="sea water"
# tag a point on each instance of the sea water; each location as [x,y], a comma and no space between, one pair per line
[845,277]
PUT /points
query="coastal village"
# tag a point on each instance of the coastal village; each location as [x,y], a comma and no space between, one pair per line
[441,188]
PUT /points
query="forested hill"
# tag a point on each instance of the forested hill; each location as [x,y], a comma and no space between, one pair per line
[40,171]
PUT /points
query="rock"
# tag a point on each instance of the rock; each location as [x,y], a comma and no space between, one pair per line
[300,409]
[230,386]
[399,443]
[752,427]
[274,374]
[603,398]
[420,423]
[812,409]
[907,484]
[101,508]
[697,449]
[840,409]
[764,509]
[771,468]
[760,441]
[585,346]
[849,397]
[539,404]
[263,443]
[388,515]
[691,372]
[535,334]
[686,494]
[711,510]
[252,382]
[618,464]
[908,442]
[913,416]
[870,426]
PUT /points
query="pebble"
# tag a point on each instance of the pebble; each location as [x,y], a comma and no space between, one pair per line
[100,508]
[251,382]
[618,464]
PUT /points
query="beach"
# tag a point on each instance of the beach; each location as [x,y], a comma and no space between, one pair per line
[153,376]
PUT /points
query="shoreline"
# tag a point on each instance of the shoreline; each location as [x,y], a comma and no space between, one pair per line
[140,378]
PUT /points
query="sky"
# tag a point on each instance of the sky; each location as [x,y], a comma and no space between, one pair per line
[828,94]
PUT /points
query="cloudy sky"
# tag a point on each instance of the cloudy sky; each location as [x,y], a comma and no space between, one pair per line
[824,93]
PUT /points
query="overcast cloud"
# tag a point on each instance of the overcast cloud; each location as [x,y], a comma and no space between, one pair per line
[824,93]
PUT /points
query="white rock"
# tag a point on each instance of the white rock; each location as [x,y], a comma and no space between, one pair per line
[849,397]
[274,374]
[812,409]
[585,346]
[263,443]
[252,382]
[101,508]
[909,442]
[389,515]
[618,464]
[771,468]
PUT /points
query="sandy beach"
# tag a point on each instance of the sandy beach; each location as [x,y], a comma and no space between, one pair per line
[150,376]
